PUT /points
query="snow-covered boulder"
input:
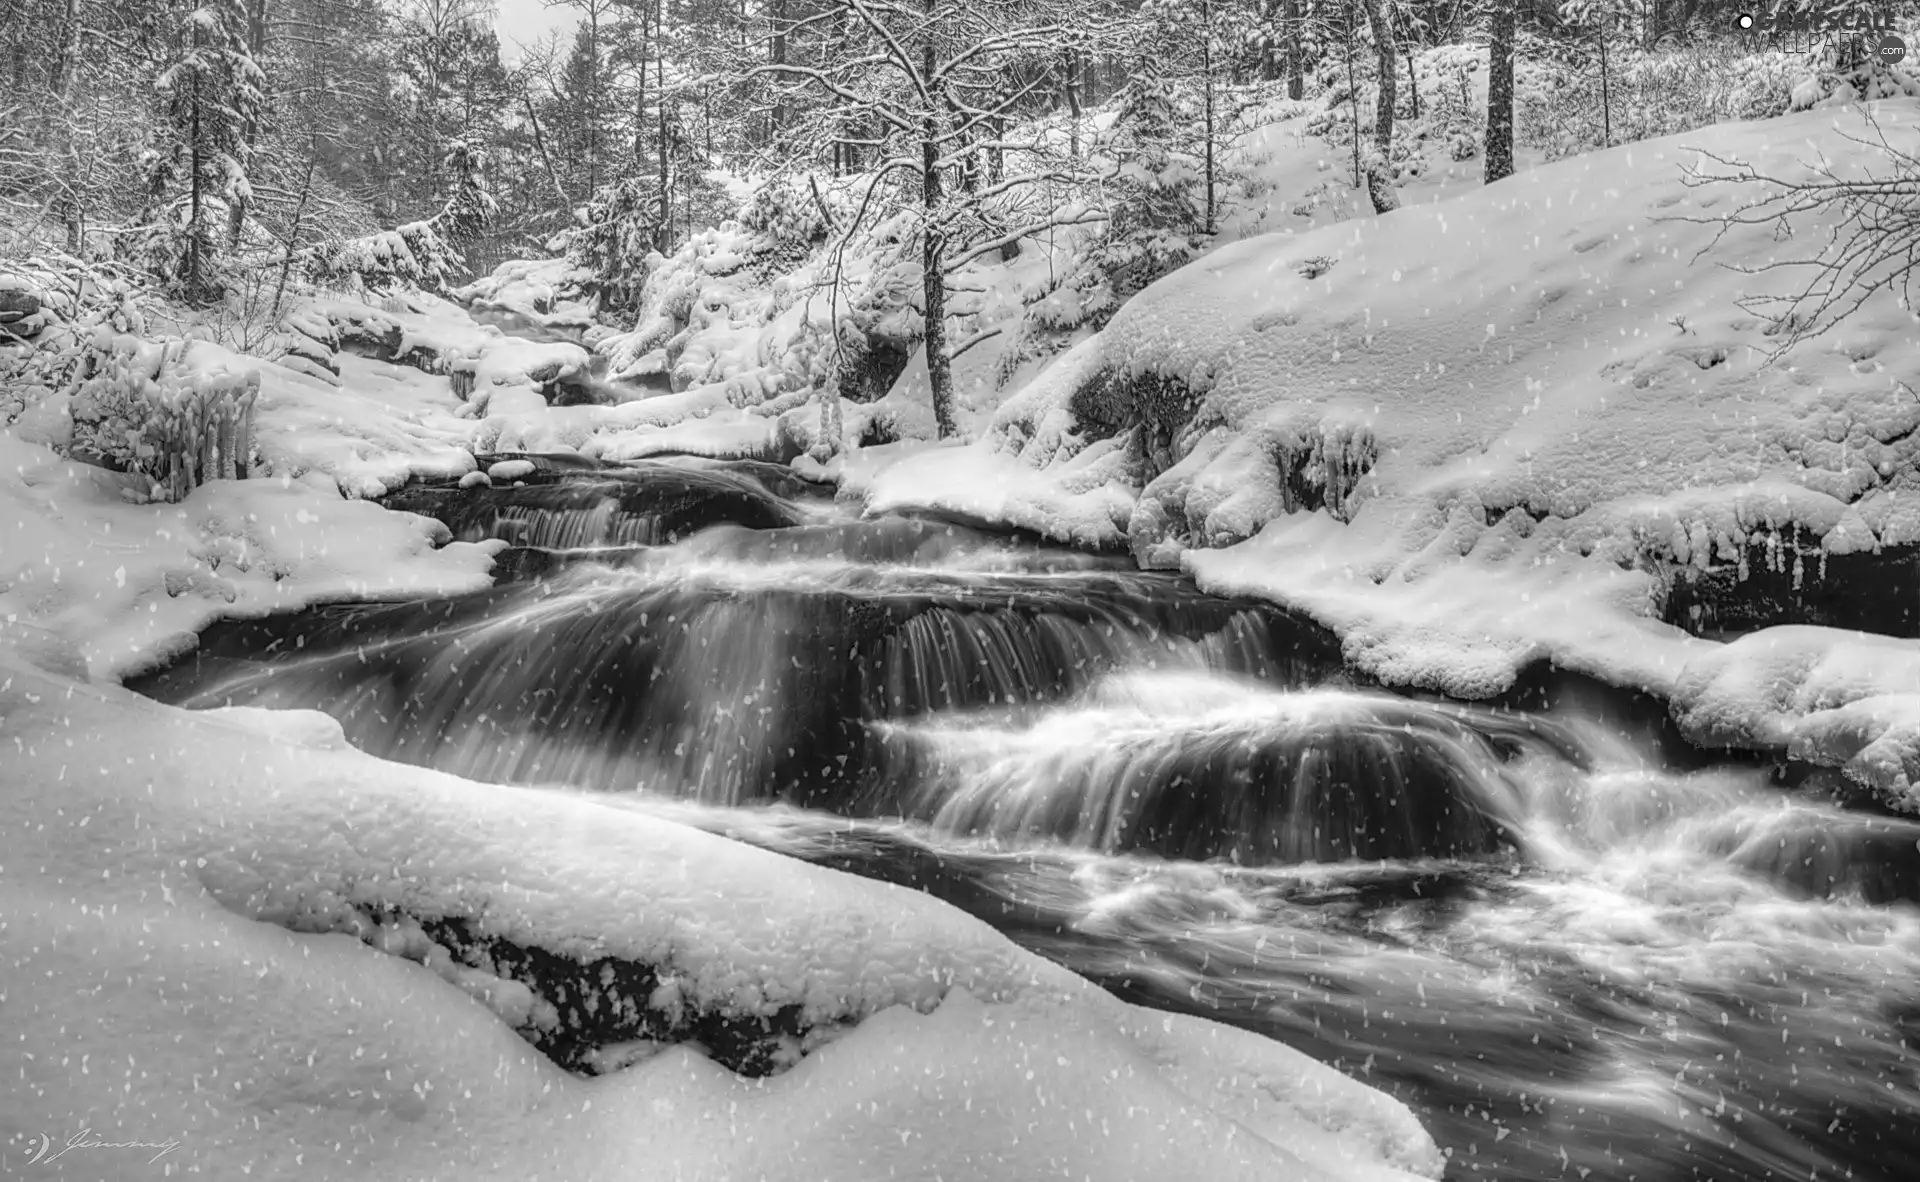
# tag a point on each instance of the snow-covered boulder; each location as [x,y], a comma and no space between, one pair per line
[1480,433]
[300,961]
[20,307]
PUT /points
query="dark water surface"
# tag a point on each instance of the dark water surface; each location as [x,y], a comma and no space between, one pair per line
[1574,954]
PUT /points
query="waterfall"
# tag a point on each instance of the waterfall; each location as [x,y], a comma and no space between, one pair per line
[1572,953]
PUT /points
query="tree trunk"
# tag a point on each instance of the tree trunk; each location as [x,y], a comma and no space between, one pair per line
[1207,110]
[593,100]
[1500,93]
[663,231]
[1073,102]
[1353,93]
[640,103]
[540,142]
[1606,96]
[1270,55]
[194,166]
[933,282]
[66,50]
[1381,20]
[68,204]
[777,55]
[1296,63]
[1413,80]
[257,27]
[293,238]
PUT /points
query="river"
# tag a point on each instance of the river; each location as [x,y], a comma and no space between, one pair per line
[1576,948]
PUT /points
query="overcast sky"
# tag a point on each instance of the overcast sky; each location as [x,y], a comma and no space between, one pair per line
[522,22]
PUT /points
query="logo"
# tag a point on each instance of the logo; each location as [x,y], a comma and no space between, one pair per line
[1803,26]
[47,1151]
[1814,18]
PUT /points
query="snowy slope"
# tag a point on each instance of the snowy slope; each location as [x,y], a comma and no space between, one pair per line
[131,583]
[1461,434]
[176,920]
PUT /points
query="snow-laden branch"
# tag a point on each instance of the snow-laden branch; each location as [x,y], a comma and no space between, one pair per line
[985,334]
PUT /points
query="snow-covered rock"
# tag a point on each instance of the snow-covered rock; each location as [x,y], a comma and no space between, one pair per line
[1469,435]
[192,963]
[128,583]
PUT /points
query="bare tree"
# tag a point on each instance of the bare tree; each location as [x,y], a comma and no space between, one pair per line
[930,76]
[1866,235]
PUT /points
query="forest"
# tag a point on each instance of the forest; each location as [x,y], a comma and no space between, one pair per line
[215,146]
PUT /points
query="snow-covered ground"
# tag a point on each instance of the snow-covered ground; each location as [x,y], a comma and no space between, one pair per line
[211,923]
[1468,435]
[1465,435]
[178,922]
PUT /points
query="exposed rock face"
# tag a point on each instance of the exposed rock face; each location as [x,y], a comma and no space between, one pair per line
[875,369]
[386,342]
[1798,584]
[310,343]
[19,311]
[367,332]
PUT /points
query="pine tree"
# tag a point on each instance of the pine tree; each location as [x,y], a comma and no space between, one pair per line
[470,207]
[1153,208]
[212,92]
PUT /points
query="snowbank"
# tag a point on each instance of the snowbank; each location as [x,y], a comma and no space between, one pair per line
[188,904]
[1471,435]
[131,583]
[1841,699]
[544,292]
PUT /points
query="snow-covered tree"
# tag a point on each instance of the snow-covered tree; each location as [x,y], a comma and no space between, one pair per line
[470,206]
[1154,204]
[1605,18]
[931,81]
[1200,44]
[213,95]
[612,239]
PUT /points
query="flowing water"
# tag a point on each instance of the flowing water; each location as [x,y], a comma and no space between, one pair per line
[1574,948]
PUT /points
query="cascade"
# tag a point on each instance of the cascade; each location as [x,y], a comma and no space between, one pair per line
[1573,948]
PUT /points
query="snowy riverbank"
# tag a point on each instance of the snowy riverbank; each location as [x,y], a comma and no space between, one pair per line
[217,921]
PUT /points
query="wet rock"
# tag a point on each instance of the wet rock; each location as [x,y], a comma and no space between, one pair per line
[1794,583]
[593,1016]
[379,338]
[873,370]
[20,309]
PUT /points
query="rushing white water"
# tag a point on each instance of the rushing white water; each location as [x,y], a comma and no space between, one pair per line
[1572,957]
[1638,995]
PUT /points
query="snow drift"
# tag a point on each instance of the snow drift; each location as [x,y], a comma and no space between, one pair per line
[184,920]
[1478,433]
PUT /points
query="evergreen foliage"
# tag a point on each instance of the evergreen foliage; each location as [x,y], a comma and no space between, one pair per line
[212,94]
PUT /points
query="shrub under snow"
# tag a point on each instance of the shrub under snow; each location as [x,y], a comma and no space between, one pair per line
[413,255]
[145,410]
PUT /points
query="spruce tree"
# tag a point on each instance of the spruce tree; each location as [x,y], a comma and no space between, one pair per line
[213,97]
[1154,203]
